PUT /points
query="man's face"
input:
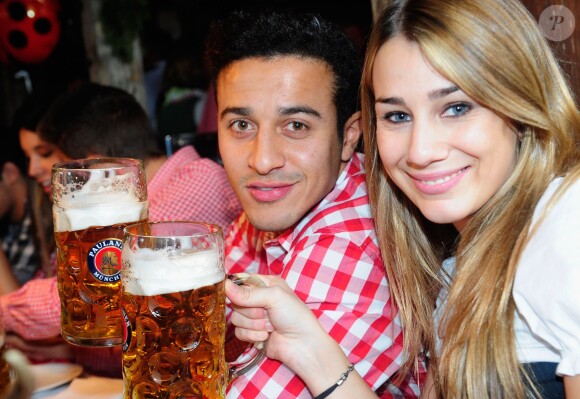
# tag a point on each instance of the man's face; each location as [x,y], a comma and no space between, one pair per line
[277,129]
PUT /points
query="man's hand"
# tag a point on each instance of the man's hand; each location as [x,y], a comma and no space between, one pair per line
[43,350]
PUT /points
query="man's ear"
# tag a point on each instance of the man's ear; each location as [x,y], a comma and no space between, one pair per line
[10,172]
[351,136]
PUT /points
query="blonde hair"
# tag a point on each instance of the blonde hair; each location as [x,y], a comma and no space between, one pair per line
[493,51]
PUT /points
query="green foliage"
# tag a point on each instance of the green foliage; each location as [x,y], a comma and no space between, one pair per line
[122,21]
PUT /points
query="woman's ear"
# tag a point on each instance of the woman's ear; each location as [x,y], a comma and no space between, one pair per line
[351,136]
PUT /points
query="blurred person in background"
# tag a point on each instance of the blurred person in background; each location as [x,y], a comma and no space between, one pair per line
[93,120]
[26,230]
[18,258]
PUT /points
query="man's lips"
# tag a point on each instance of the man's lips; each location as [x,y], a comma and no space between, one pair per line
[269,192]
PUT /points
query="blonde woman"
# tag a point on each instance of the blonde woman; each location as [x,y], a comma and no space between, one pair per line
[471,141]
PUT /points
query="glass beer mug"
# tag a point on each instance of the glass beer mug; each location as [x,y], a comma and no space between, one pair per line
[173,303]
[93,201]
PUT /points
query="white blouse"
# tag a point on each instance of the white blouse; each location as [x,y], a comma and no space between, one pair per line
[547,286]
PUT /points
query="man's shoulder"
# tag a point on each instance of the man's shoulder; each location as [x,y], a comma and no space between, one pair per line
[347,204]
[189,167]
[349,219]
[187,158]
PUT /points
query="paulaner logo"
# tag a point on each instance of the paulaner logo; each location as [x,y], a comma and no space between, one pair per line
[557,23]
[104,260]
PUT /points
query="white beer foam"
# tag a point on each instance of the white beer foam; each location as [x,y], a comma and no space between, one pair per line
[158,272]
[101,202]
[111,211]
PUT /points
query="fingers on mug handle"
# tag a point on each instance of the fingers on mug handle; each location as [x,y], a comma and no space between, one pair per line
[255,352]
[247,279]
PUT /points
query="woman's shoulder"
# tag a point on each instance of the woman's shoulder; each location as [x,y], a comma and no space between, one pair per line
[545,287]
[561,196]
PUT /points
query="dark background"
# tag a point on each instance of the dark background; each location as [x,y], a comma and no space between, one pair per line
[171,28]
[177,28]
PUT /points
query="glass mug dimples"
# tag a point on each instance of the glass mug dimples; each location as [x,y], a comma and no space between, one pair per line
[93,201]
[173,304]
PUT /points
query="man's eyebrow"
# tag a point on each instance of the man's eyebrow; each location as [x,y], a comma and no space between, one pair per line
[241,111]
[435,94]
[299,109]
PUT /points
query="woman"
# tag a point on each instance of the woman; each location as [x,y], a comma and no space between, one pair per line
[41,156]
[471,141]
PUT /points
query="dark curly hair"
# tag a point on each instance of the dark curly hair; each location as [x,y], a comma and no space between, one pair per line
[272,33]
[99,119]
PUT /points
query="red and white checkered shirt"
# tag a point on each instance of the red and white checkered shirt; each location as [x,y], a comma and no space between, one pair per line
[332,261]
[189,187]
[186,187]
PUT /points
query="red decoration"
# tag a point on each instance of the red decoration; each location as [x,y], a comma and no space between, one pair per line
[29,29]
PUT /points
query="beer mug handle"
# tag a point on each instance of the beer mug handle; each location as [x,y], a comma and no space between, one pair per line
[22,385]
[253,355]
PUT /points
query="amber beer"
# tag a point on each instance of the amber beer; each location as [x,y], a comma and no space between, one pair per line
[173,304]
[93,201]
[177,346]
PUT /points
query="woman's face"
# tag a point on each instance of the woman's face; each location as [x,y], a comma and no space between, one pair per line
[446,152]
[41,156]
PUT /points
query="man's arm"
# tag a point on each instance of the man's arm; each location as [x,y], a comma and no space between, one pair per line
[8,282]
[33,312]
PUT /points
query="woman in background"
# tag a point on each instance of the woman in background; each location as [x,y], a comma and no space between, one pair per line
[28,240]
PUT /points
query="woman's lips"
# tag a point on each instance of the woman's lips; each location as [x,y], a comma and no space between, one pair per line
[46,186]
[439,183]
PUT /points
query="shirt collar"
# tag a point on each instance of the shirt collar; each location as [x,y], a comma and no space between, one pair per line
[285,239]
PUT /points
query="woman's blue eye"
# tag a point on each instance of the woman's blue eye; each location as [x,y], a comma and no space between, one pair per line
[457,110]
[398,117]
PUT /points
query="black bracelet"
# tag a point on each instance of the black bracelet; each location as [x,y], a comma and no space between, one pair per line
[338,383]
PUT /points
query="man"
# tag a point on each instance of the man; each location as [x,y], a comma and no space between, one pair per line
[96,120]
[288,126]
